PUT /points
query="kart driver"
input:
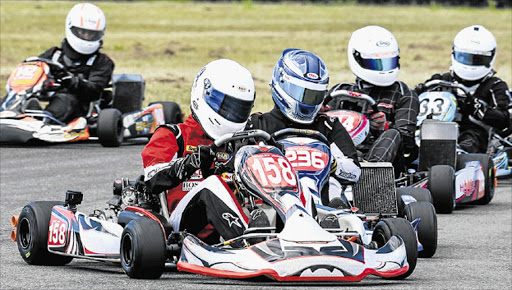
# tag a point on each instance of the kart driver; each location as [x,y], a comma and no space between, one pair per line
[89,70]
[373,56]
[299,83]
[177,156]
[473,55]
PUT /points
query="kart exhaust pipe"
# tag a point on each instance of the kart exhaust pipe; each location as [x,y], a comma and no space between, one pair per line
[14,220]
[14,235]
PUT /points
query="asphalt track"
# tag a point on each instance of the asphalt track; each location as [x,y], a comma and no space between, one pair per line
[474,250]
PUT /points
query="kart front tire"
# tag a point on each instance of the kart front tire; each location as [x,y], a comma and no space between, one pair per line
[172,112]
[420,194]
[143,249]
[489,173]
[441,183]
[388,227]
[427,227]
[110,128]
[32,235]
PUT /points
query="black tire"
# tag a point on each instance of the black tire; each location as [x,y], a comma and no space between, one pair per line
[172,112]
[489,173]
[32,235]
[389,227]
[441,183]
[110,128]
[143,250]
[420,194]
[427,228]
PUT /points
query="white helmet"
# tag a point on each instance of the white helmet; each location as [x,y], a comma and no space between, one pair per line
[373,55]
[222,97]
[85,26]
[473,53]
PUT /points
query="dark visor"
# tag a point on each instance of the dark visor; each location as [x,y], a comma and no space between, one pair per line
[230,108]
[473,59]
[377,64]
[87,34]
[303,95]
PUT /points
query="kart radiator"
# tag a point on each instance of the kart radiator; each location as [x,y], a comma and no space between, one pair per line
[438,144]
[128,91]
[374,193]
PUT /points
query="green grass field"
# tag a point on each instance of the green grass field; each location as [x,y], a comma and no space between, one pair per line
[168,42]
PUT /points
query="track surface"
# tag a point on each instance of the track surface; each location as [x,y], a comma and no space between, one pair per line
[474,250]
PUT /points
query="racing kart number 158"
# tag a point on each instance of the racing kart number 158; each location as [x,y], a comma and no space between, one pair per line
[142,239]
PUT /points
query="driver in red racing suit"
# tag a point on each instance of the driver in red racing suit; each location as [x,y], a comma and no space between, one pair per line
[176,157]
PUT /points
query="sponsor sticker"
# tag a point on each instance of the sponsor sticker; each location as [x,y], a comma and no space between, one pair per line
[312,75]
[189,185]
[382,43]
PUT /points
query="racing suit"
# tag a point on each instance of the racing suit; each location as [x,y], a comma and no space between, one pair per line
[204,207]
[92,73]
[496,98]
[347,169]
[401,106]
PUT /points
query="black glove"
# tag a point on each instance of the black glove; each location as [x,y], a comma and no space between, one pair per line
[420,88]
[476,108]
[69,81]
[202,158]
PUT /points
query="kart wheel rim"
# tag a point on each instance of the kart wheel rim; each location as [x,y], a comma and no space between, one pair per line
[127,250]
[24,235]
[379,238]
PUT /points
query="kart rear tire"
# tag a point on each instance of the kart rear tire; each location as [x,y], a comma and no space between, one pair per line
[32,235]
[441,183]
[489,173]
[143,249]
[388,227]
[420,194]
[172,112]
[110,128]
[427,228]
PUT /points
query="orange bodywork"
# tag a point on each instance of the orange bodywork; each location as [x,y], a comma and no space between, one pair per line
[27,75]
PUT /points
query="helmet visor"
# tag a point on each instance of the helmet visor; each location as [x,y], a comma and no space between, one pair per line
[229,107]
[87,34]
[303,95]
[474,58]
[381,64]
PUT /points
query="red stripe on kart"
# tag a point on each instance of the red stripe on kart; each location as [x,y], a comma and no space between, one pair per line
[149,215]
[183,266]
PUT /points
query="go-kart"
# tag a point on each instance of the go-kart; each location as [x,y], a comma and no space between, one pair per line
[116,116]
[135,231]
[309,154]
[451,176]
[440,102]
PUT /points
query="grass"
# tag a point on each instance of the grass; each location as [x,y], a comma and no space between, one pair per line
[167,42]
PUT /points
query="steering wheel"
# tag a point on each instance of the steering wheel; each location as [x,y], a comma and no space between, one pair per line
[287,132]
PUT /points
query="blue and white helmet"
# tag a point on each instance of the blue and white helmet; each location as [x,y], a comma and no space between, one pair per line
[222,97]
[299,84]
